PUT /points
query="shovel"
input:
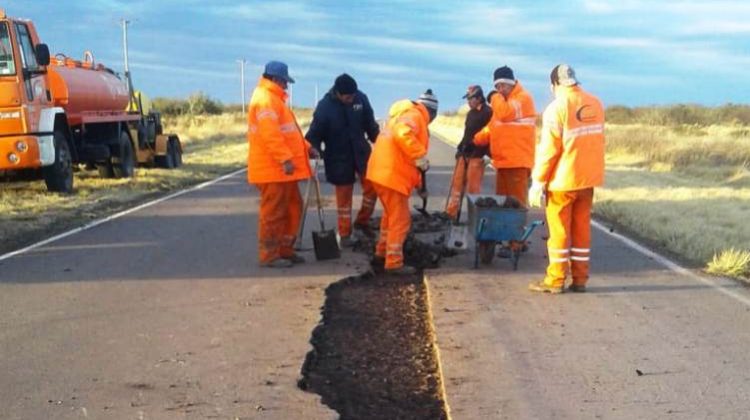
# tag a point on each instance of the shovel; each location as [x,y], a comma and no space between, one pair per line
[298,243]
[457,236]
[324,241]
[423,193]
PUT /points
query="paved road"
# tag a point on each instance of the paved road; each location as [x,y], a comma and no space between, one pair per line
[160,314]
[180,323]
[645,342]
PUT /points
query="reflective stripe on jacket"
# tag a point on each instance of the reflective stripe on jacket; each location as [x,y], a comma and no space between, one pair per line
[404,139]
[511,133]
[274,137]
[570,154]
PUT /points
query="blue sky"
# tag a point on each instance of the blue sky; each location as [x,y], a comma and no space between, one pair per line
[631,52]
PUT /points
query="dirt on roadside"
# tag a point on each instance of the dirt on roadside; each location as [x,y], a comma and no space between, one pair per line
[374,351]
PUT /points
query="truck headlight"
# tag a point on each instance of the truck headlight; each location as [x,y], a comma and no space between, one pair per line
[21,146]
[13,158]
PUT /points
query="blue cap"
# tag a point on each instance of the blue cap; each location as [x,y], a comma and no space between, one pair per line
[278,69]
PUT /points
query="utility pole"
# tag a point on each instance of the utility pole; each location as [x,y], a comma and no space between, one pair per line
[242,82]
[131,90]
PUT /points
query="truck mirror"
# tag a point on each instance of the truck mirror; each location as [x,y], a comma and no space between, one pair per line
[42,54]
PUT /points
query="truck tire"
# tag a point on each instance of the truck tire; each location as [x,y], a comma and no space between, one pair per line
[59,175]
[177,154]
[123,160]
[105,170]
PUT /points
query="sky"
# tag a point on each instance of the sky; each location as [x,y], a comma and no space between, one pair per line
[628,52]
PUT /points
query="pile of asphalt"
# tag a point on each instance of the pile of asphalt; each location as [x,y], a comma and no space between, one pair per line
[374,351]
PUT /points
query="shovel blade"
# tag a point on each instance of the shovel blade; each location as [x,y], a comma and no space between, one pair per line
[326,246]
[457,238]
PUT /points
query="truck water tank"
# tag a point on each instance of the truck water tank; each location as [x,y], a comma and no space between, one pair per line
[80,87]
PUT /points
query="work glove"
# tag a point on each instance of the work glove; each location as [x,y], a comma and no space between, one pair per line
[288,167]
[423,164]
[537,194]
[313,153]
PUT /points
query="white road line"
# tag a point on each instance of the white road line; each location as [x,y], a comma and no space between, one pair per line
[673,266]
[98,222]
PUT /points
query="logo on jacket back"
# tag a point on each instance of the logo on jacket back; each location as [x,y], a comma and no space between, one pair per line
[357,107]
[585,116]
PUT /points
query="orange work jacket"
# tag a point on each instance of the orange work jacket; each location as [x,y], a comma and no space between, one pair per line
[570,154]
[511,133]
[274,137]
[404,140]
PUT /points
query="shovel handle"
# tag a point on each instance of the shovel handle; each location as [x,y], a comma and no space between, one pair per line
[317,195]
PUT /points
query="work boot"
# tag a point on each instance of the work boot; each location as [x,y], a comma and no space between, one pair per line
[577,288]
[377,263]
[365,229]
[277,263]
[296,258]
[404,270]
[346,241]
[542,287]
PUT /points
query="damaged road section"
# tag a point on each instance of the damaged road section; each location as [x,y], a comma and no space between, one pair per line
[374,354]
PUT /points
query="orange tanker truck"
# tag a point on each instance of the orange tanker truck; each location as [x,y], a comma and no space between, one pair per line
[57,112]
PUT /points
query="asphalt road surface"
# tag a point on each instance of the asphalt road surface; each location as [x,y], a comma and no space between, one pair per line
[163,313]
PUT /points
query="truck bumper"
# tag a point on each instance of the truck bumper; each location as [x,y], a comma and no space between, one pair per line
[26,151]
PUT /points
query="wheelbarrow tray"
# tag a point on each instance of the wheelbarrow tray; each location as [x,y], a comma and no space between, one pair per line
[495,223]
[490,225]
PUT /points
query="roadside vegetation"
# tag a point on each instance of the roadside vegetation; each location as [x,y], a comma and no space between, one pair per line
[213,145]
[677,177]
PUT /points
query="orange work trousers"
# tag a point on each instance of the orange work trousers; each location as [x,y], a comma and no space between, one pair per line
[394,226]
[344,205]
[279,219]
[474,175]
[569,244]
[514,182]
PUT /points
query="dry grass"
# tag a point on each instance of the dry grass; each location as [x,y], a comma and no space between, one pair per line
[685,188]
[213,146]
[731,262]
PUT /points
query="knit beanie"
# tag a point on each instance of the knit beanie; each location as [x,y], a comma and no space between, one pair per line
[429,100]
[345,85]
[504,74]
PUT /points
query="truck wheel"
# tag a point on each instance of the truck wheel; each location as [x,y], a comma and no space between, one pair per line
[59,175]
[177,155]
[123,162]
[105,170]
[169,162]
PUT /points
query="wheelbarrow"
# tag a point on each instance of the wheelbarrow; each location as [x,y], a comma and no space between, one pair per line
[495,223]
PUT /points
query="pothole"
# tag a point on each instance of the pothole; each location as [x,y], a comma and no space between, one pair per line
[374,353]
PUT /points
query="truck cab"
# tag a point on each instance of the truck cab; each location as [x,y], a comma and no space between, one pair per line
[27,112]
[59,112]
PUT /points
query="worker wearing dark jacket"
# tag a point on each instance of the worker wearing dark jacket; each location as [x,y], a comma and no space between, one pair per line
[468,153]
[340,122]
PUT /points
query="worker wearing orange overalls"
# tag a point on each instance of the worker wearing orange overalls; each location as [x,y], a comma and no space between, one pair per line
[277,159]
[511,134]
[569,164]
[397,157]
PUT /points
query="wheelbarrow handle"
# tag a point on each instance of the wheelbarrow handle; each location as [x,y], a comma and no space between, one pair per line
[530,228]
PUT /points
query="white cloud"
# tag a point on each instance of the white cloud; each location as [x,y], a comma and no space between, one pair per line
[270,11]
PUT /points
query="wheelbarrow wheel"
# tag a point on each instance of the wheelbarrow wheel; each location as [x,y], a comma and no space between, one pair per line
[486,251]
[516,256]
